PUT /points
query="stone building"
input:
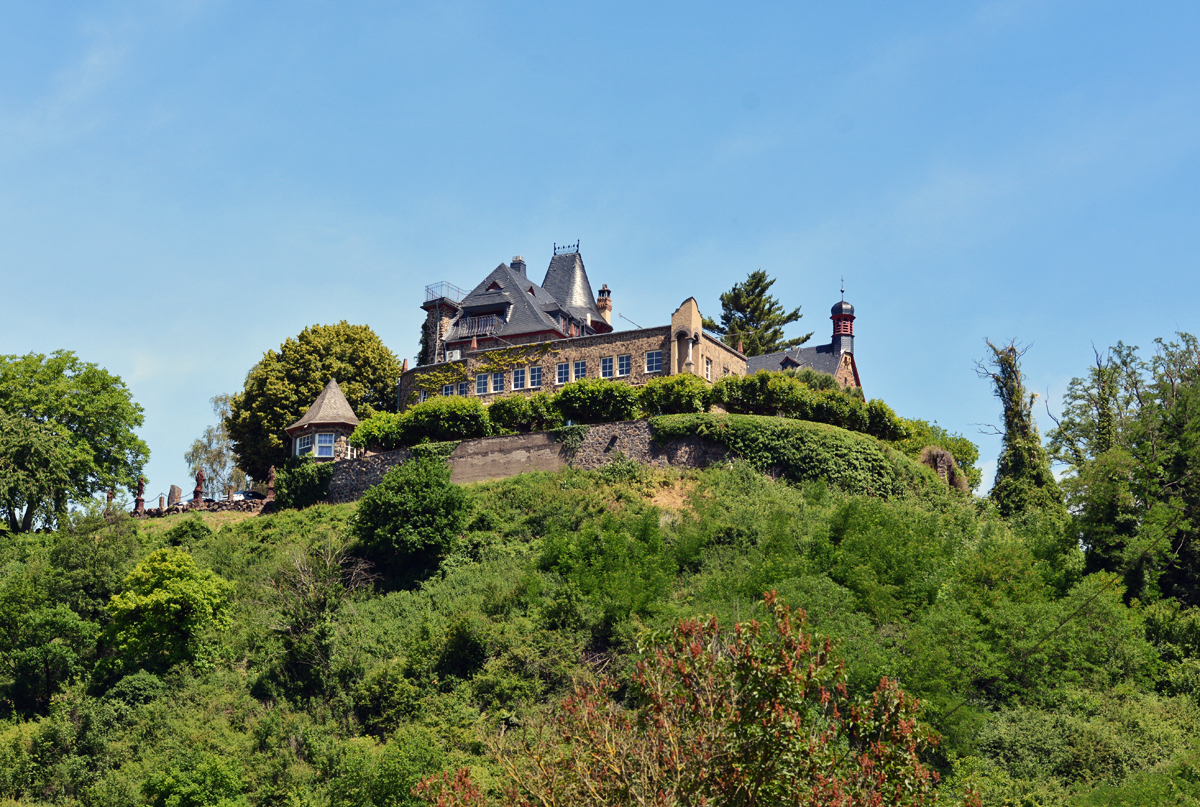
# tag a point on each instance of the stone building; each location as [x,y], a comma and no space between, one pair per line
[512,335]
[325,427]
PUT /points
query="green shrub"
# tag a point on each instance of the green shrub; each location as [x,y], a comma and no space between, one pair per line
[382,430]
[442,419]
[920,434]
[302,482]
[682,394]
[789,396]
[526,413]
[803,451]
[437,420]
[190,531]
[168,612]
[413,514]
[596,400]
[815,379]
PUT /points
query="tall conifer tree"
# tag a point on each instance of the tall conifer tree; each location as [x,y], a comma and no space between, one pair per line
[752,316]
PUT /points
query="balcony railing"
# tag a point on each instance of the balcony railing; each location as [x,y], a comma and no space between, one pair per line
[481,325]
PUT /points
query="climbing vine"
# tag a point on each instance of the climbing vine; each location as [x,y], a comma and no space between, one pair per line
[433,380]
[507,358]
[496,361]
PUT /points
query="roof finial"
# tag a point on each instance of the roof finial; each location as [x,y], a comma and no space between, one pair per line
[843,288]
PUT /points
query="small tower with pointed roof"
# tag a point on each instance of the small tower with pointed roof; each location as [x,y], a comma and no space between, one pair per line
[325,427]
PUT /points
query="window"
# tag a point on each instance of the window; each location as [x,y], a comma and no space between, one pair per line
[447,390]
[563,372]
[424,396]
[519,379]
[464,387]
[580,370]
[497,382]
[324,445]
[481,384]
[708,369]
[535,377]
[606,367]
[653,361]
[624,363]
[304,445]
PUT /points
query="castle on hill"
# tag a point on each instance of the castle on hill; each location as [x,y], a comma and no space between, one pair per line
[511,335]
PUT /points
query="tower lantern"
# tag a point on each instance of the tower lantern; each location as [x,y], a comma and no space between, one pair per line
[842,315]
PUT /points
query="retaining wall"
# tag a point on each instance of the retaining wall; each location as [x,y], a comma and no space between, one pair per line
[501,457]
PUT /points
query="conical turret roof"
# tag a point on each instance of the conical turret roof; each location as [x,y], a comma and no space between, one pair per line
[330,407]
[567,281]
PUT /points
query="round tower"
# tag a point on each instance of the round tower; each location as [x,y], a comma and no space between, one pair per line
[843,327]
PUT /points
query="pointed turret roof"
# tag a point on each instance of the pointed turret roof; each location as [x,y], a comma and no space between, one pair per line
[330,407]
[567,282]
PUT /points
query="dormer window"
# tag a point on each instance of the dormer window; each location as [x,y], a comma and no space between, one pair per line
[495,287]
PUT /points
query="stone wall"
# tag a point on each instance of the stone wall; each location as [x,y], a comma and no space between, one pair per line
[501,457]
[352,478]
[207,506]
[633,440]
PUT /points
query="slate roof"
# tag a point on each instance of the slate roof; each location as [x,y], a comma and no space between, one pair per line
[330,406]
[820,358]
[523,304]
[567,282]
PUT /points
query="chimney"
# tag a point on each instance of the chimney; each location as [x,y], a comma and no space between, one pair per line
[518,264]
[604,303]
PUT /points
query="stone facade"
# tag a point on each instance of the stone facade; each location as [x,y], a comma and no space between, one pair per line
[683,346]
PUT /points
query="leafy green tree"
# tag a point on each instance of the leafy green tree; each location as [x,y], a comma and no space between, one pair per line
[411,516]
[49,649]
[94,417]
[751,315]
[1130,438]
[34,472]
[166,612]
[1024,480]
[213,454]
[281,387]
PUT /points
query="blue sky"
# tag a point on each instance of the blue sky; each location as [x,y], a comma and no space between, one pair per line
[184,185]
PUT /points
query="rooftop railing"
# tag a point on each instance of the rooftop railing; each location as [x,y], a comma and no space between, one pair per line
[435,291]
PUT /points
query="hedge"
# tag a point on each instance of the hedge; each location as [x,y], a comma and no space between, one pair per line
[437,420]
[766,393]
[680,394]
[803,451]
[526,413]
[596,400]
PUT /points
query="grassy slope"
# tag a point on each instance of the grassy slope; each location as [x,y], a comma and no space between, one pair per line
[554,579]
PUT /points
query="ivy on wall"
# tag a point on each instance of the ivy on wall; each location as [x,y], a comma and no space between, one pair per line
[431,379]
